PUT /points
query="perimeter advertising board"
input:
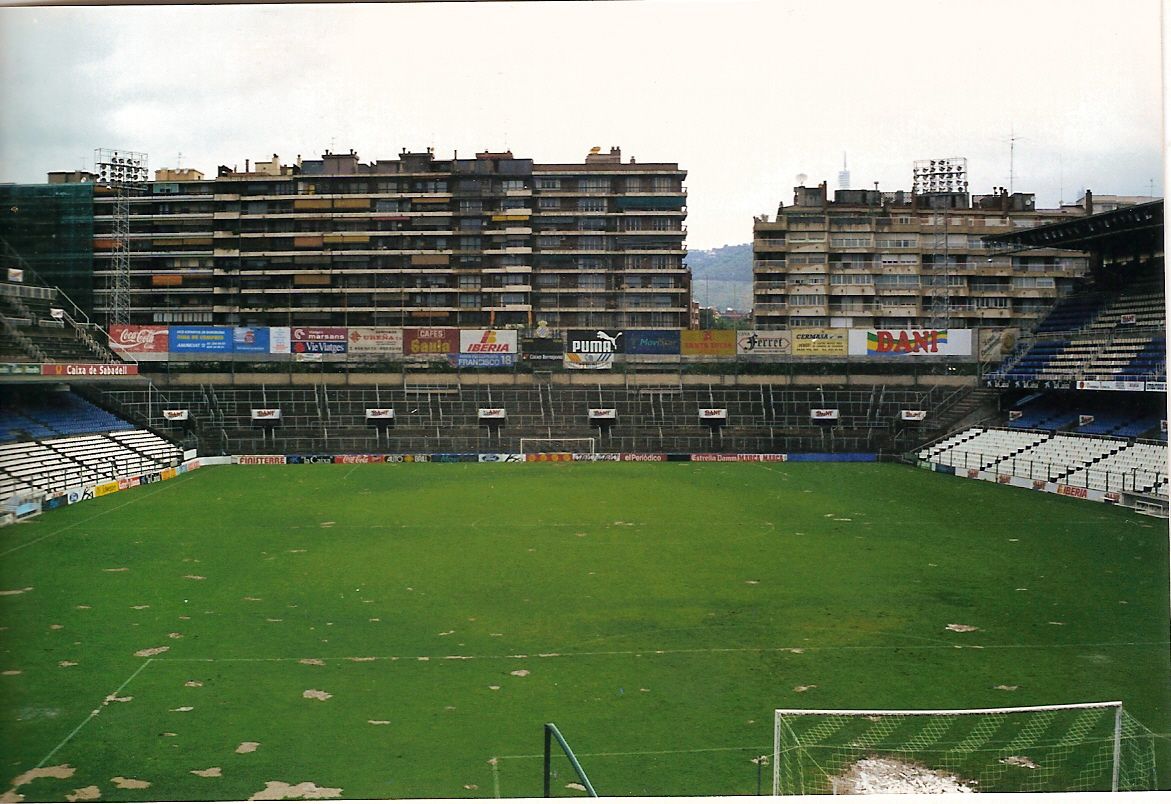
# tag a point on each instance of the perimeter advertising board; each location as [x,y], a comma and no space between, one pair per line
[592,348]
[708,342]
[910,342]
[652,342]
[280,340]
[88,369]
[487,341]
[376,341]
[763,342]
[141,342]
[199,340]
[250,339]
[319,340]
[430,341]
[817,342]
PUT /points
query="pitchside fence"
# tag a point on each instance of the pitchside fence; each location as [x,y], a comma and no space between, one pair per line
[1067,748]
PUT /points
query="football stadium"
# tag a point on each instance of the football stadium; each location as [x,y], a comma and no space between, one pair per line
[268,548]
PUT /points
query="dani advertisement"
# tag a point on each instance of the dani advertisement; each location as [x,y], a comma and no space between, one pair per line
[910,342]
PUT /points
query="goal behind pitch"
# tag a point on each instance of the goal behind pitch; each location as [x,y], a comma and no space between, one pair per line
[1066,748]
[571,445]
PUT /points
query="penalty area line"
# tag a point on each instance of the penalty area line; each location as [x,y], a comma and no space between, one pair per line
[650,753]
[92,715]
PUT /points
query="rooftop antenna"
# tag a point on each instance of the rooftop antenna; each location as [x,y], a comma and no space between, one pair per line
[844,175]
[179,161]
[1012,138]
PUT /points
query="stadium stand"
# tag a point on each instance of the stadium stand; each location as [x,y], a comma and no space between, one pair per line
[42,325]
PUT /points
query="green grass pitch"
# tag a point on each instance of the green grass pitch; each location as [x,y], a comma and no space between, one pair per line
[438,615]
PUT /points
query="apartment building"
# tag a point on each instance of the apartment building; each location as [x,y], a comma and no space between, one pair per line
[493,240]
[894,260]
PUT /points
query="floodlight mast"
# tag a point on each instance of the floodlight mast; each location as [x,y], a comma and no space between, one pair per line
[124,173]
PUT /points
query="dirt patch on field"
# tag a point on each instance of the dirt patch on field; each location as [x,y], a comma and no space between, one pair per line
[883,775]
[11,673]
[147,652]
[1020,762]
[209,773]
[378,722]
[117,569]
[183,709]
[192,683]
[91,793]
[140,608]
[313,662]
[575,786]
[66,663]
[122,783]
[247,748]
[1006,687]
[115,699]
[962,629]
[53,772]
[276,791]
[519,673]
[7,592]
[804,687]
[195,577]
[317,695]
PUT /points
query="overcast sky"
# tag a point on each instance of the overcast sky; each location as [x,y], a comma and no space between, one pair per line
[743,95]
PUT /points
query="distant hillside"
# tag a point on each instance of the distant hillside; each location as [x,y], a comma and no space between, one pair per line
[722,277]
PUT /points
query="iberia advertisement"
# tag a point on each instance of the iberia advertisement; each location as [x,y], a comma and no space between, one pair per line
[487,341]
[910,342]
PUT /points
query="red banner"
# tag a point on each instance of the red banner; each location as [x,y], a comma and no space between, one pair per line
[430,341]
[87,369]
[138,339]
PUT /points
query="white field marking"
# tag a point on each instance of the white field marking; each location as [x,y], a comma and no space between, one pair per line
[92,715]
[496,777]
[678,651]
[650,753]
[163,487]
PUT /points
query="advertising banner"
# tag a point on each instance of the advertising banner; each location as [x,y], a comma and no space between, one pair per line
[261,459]
[280,340]
[380,413]
[1111,385]
[592,348]
[488,341]
[814,342]
[640,457]
[1161,386]
[713,457]
[913,415]
[825,414]
[492,413]
[652,342]
[141,342]
[502,457]
[708,342]
[910,342]
[319,340]
[1013,415]
[484,361]
[376,341]
[430,341]
[181,415]
[102,489]
[358,459]
[250,339]
[713,413]
[57,313]
[595,457]
[763,342]
[266,414]
[542,348]
[88,369]
[1084,419]
[604,413]
[15,275]
[199,339]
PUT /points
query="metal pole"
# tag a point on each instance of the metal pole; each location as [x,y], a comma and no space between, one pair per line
[548,748]
[1117,749]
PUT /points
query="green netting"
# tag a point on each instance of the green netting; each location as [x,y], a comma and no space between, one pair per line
[51,226]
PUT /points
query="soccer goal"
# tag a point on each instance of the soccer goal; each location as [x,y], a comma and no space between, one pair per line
[1066,748]
[552,733]
[571,445]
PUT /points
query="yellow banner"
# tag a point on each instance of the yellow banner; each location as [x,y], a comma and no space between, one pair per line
[814,342]
[106,488]
[708,342]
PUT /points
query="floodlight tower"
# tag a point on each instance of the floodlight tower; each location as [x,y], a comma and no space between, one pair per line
[940,178]
[125,174]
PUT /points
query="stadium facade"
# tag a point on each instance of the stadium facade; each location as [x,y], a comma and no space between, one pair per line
[867,258]
[494,240]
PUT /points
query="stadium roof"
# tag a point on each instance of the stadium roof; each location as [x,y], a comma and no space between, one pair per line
[1129,229]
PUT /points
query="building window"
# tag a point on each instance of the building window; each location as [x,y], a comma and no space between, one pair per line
[549,184]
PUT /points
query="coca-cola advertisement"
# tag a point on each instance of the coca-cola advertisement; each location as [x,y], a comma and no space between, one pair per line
[139,341]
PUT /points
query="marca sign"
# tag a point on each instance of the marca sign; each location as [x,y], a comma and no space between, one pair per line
[592,349]
[487,341]
[910,342]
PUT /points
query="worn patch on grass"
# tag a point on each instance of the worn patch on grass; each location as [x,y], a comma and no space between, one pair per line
[140,608]
[575,786]
[520,673]
[963,629]
[147,652]
[66,663]
[209,773]
[313,662]
[56,627]
[493,686]
[378,722]
[52,772]
[192,683]
[253,599]
[362,658]
[1006,687]
[195,577]
[7,592]
[318,695]
[804,687]
[111,698]
[183,709]
[91,793]
[885,775]
[276,791]
[11,797]
[1020,762]
[175,635]
[247,747]
[11,673]
[122,783]
[117,569]
[471,787]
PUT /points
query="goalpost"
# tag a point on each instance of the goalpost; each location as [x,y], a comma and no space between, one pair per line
[578,445]
[1063,748]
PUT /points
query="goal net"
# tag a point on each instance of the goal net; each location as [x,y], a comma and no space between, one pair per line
[1074,747]
[570,445]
